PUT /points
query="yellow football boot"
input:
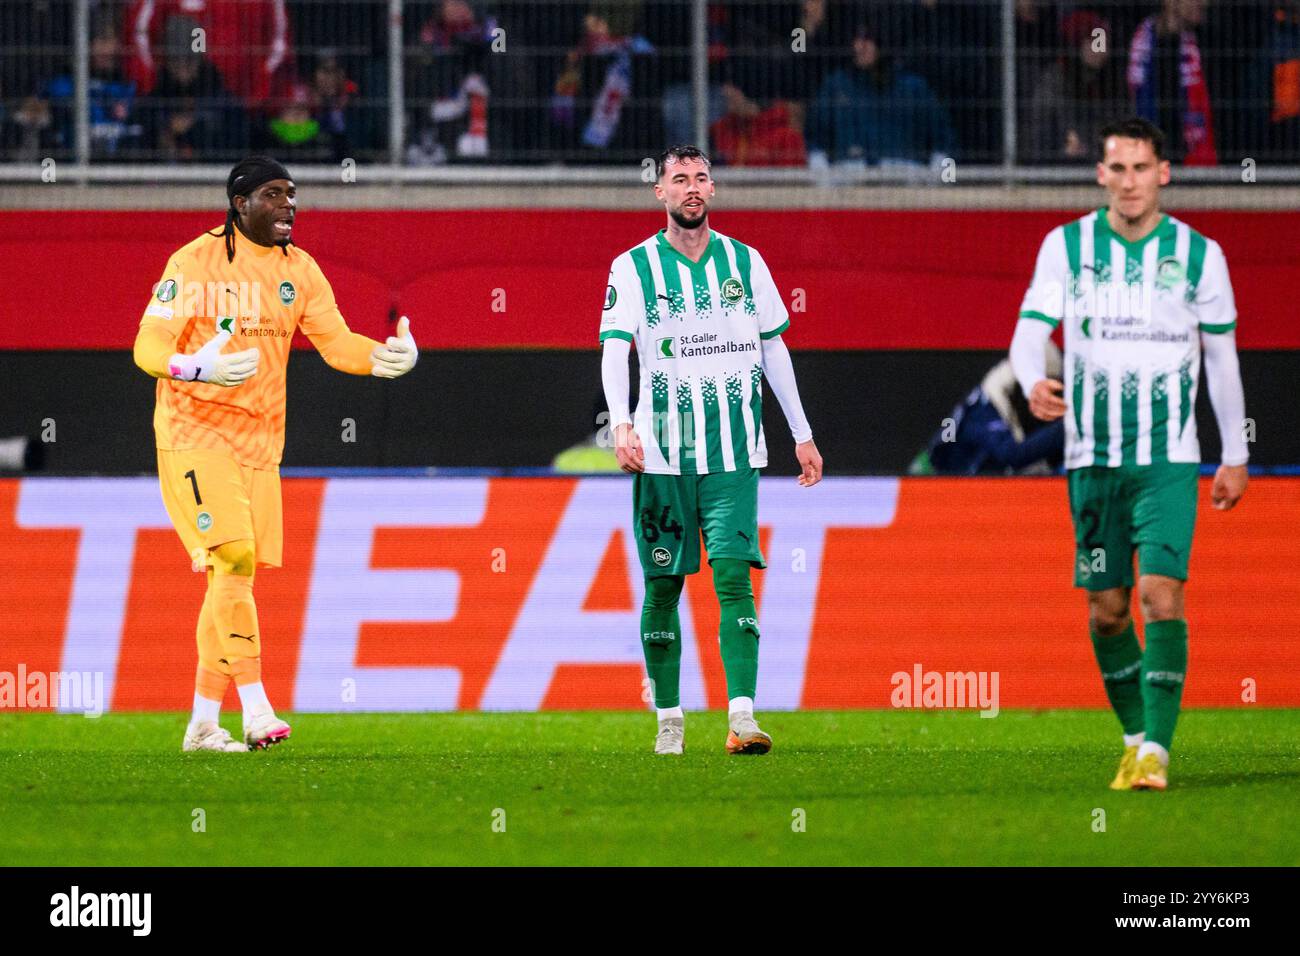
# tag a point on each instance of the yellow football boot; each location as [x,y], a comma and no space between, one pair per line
[1151,774]
[1128,765]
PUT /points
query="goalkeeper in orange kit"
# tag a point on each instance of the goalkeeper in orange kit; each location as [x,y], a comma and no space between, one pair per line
[216,335]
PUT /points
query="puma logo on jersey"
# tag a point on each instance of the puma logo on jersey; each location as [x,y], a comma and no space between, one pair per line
[244,637]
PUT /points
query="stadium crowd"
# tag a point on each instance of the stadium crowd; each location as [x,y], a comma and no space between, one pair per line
[815,82]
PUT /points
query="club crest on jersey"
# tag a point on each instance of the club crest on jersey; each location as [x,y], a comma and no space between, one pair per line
[165,291]
[732,291]
[287,292]
[1169,272]
[664,347]
[611,296]
[205,521]
[661,557]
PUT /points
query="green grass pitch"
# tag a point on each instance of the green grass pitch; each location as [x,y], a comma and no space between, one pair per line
[875,787]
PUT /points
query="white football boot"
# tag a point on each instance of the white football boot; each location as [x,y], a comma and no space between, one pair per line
[671,738]
[210,736]
[265,730]
[745,737]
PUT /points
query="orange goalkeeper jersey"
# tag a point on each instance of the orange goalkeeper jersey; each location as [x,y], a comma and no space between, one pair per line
[269,294]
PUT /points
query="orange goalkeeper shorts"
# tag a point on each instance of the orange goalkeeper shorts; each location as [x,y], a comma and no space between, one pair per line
[212,499]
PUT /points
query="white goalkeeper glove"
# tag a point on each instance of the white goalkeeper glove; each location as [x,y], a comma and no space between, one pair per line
[209,365]
[397,355]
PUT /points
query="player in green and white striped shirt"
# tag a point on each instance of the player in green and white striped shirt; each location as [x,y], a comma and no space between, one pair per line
[1139,296]
[706,319]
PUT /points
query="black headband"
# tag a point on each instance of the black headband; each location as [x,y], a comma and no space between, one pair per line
[250,173]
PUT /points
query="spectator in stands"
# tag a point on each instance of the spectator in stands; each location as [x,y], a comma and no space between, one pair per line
[35,47]
[1075,96]
[1167,82]
[113,127]
[993,433]
[333,96]
[190,115]
[449,72]
[597,85]
[248,41]
[872,112]
[1279,80]
[1037,32]
[955,46]
[668,27]
[753,134]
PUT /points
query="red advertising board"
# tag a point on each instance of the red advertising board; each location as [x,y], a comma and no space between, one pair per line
[524,594]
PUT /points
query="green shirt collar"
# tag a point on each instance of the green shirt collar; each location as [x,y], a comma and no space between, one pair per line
[1165,225]
[662,238]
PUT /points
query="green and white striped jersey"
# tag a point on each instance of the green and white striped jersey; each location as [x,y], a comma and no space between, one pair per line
[698,329]
[1133,314]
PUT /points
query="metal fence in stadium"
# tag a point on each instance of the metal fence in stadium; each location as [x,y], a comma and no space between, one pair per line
[1012,90]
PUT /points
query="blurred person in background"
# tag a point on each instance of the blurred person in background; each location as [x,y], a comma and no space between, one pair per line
[190,115]
[754,133]
[820,40]
[1076,95]
[597,86]
[992,431]
[113,127]
[1277,73]
[872,112]
[956,47]
[333,97]
[248,41]
[1037,41]
[450,69]
[35,47]
[1166,81]
[668,28]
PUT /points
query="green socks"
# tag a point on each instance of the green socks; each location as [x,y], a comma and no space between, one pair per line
[661,632]
[1145,689]
[1164,666]
[1120,660]
[738,630]
[661,638]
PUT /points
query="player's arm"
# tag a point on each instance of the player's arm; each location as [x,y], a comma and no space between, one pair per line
[1217,314]
[165,318]
[779,371]
[349,351]
[1040,314]
[773,319]
[618,326]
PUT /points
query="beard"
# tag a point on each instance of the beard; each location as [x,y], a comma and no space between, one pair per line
[681,219]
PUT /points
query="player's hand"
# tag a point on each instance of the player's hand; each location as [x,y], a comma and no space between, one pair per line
[1045,400]
[628,450]
[209,365]
[810,460]
[397,355]
[1229,486]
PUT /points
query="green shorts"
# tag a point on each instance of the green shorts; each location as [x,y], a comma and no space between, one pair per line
[1150,509]
[669,512]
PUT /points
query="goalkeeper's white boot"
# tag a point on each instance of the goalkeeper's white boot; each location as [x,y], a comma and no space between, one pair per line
[210,736]
[265,730]
[745,737]
[672,736]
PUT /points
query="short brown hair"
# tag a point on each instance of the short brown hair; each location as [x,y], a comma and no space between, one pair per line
[1134,127]
[679,153]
